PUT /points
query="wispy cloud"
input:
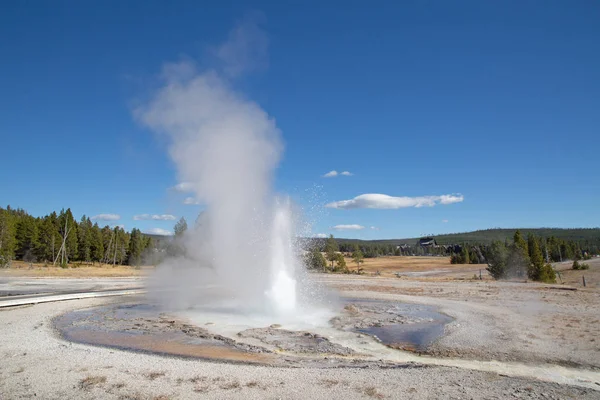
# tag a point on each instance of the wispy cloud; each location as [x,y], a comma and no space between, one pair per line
[351,227]
[321,235]
[374,228]
[106,217]
[334,173]
[445,221]
[158,231]
[383,201]
[183,187]
[190,201]
[154,217]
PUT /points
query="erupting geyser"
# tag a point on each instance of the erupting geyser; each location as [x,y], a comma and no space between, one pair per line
[241,257]
[282,294]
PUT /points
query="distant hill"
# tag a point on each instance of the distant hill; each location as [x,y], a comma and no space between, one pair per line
[487,236]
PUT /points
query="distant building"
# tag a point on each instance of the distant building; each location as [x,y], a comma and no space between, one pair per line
[427,242]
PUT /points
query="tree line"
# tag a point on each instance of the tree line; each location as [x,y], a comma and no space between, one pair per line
[59,239]
[522,257]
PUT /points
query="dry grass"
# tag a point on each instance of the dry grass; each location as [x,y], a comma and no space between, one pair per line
[91,381]
[372,392]
[329,383]
[231,385]
[154,375]
[76,270]
[439,266]
[575,278]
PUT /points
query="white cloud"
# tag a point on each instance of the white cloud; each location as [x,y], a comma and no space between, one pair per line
[106,217]
[445,221]
[183,187]
[158,231]
[374,228]
[383,201]
[154,217]
[334,173]
[190,201]
[321,235]
[352,227]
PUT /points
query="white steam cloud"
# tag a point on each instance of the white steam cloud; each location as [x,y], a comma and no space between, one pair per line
[225,149]
[246,48]
[106,217]
[383,201]
[351,227]
[154,217]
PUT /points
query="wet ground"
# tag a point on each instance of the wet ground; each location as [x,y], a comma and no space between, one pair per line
[138,326]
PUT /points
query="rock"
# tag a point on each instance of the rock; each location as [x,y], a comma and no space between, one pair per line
[275,326]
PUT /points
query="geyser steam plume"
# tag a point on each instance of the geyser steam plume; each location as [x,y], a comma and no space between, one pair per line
[227,148]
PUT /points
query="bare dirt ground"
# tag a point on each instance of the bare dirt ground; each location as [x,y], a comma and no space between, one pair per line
[507,321]
[38,364]
[524,329]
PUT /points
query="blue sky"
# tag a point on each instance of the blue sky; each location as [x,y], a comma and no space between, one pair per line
[496,101]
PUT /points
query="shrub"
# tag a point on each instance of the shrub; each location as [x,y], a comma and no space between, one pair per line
[4,261]
[580,266]
[547,274]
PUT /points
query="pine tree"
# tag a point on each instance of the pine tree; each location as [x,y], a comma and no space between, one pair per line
[136,244]
[465,255]
[180,227]
[341,262]
[520,245]
[96,244]
[7,238]
[48,239]
[84,236]
[26,236]
[539,270]
[357,257]
[331,249]
[535,257]
[497,259]
[315,260]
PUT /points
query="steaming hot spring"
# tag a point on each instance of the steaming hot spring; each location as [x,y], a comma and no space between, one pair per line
[257,306]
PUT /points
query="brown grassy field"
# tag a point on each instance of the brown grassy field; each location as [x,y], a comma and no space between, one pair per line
[417,266]
[20,268]
[575,278]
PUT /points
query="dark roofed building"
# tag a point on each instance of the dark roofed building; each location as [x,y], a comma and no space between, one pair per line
[427,242]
